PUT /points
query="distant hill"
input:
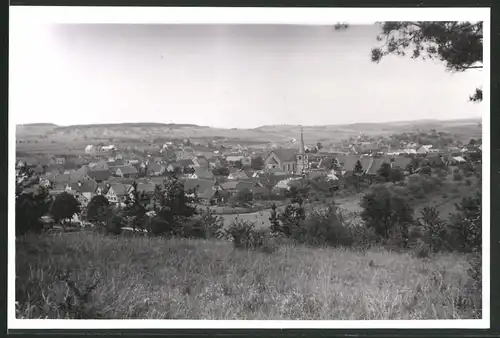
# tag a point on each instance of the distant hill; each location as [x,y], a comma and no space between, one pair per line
[132,125]
[38,125]
[284,135]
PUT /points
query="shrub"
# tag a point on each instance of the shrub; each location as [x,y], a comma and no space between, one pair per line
[244,235]
[114,225]
[29,209]
[157,226]
[64,207]
[291,219]
[466,223]
[386,212]
[212,224]
[457,176]
[468,182]
[426,171]
[434,229]
[324,227]
[442,173]
[419,186]
[422,250]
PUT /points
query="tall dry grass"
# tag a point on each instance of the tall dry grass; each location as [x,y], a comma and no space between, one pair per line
[154,278]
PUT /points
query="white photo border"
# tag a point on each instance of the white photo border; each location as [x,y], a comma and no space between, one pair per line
[25,15]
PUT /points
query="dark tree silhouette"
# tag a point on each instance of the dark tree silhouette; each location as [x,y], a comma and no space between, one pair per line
[64,207]
[385,171]
[97,209]
[136,207]
[383,210]
[459,45]
[358,168]
[257,163]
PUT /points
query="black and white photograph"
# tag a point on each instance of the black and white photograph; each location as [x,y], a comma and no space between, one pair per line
[325,170]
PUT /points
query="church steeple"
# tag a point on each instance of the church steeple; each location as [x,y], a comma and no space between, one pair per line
[302,148]
[302,158]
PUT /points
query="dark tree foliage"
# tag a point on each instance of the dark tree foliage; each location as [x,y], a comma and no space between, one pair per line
[222,171]
[358,168]
[435,230]
[467,223]
[97,209]
[135,207]
[274,220]
[426,170]
[114,224]
[257,163]
[173,206]
[458,44]
[244,195]
[29,209]
[385,171]
[397,175]
[385,211]
[64,207]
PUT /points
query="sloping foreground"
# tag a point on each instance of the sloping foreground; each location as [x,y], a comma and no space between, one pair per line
[197,279]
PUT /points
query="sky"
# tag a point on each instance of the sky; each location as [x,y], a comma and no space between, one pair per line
[229,76]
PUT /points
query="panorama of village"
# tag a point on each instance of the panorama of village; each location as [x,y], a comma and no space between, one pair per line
[187,214]
[235,176]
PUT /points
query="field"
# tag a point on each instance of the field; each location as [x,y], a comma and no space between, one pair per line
[155,278]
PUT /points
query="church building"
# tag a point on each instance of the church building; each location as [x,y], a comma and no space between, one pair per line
[289,160]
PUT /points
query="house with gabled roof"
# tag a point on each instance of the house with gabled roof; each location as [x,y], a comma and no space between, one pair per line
[238,175]
[283,159]
[126,171]
[186,163]
[424,149]
[155,169]
[206,190]
[202,173]
[99,175]
[118,192]
[101,165]
[147,188]
[200,161]
[401,162]
[102,188]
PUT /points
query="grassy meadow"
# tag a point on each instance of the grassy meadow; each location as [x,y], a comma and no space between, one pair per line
[155,278]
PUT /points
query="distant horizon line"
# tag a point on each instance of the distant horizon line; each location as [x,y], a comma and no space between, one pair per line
[261,126]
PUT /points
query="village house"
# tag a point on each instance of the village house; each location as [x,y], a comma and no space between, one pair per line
[186,163]
[101,165]
[99,175]
[232,188]
[205,189]
[60,160]
[201,173]
[454,160]
[90,149]
[173,167]
[102,188]
[155,169]
[238,175]
[117,193]
[424,149]
[200,161]
[108,148]
[126,171]
[283,159]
